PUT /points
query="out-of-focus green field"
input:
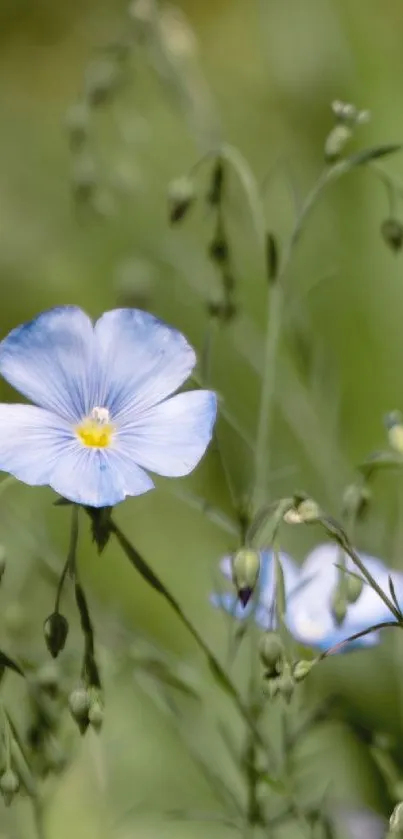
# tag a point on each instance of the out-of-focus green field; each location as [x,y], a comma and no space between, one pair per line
[261,76]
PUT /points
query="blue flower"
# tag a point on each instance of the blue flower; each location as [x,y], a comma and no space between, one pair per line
[263,607]
[103,414]
[309,591]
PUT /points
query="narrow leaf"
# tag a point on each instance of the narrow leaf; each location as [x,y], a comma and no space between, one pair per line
[374,153]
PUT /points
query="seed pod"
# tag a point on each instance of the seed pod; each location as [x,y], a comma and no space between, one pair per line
[286,683]
[79,704]
[336,141]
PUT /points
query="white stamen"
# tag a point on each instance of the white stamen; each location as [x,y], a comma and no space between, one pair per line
[100,415]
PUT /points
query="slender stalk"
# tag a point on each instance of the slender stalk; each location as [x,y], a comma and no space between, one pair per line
[273,333]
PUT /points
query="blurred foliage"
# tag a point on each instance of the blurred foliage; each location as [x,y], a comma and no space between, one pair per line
[93,133]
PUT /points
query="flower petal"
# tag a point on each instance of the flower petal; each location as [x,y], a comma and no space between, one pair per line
[51,361]
[171,437]
[32,441]
[143,360]
[94,478]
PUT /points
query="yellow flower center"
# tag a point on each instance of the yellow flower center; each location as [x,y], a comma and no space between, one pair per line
[96,430]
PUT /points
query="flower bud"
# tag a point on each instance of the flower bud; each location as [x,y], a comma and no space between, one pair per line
[396,820]
[181,196]
[394,425]
[77,125]
[9,785]
[96,711]
[79,704]
[271,687]
[301,669]
[101,80]
[354,587]
[286,683]
[245,573]
[305,511]
[271,652]
[84,178]
[55,630]
[336,141]
[356,499]
[392,234]
[338,606]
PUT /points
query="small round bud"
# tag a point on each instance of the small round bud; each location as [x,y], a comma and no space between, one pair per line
[392,234]
[356,500]
[355,586]
[77,124]
[9,785]
[338,606]
[48,678]
[336,141]
[96,713]
[84,178]
[55,630]
[286,683]
[305,511]
[271,687]
[395,436]
[79,704]
[181,196]
[101,80]
[396,820]
[301,669]
[271,652]
[245,573]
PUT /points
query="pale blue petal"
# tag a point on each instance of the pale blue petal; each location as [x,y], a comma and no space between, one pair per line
[98,477]
[226,566]
[51,361]
[143,361]
[32,442]
[171,437]
[230,603]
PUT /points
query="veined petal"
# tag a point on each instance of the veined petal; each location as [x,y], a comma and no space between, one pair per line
[142,360]
[51,361]
[171,437]
[95,478]
[32,441]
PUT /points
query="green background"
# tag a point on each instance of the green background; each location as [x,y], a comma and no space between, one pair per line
[260,76]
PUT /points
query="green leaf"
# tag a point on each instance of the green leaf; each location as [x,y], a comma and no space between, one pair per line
[219,674]
[375,153]
[7,662]
[381,460]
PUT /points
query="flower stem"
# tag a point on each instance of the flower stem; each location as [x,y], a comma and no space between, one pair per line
[275,313]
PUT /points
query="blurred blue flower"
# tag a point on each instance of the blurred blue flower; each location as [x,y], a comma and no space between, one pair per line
[103,415]
[309,614]
[309,592]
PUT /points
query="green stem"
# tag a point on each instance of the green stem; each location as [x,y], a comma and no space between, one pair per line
[273,333]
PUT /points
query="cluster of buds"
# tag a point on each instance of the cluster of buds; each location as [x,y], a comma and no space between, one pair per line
[280,676]
[304,511]
[86,707]
[348,117]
